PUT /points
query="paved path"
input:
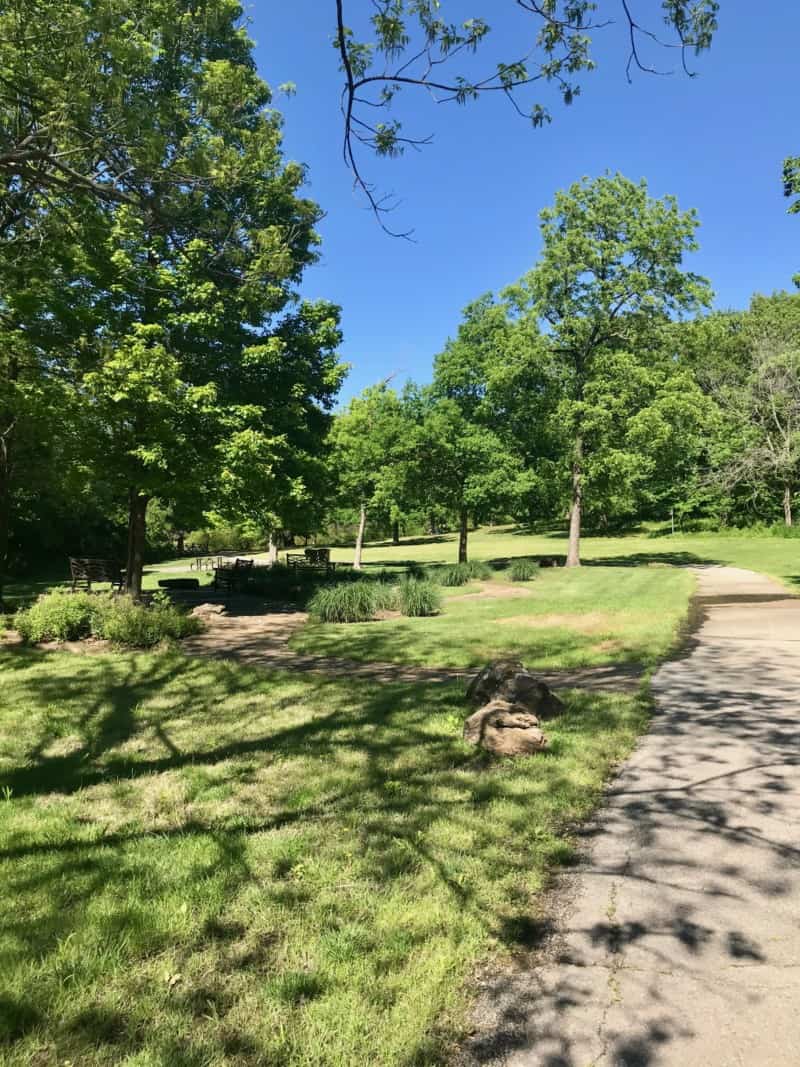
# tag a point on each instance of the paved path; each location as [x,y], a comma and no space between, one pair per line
[679,945]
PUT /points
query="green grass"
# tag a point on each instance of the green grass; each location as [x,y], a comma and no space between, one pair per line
[567,618]
[771,555]
[207,865]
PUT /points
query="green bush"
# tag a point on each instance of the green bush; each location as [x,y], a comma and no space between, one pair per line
[351,601]
[60,615]
[418,597]
[523,570]
[126,622]
[461,573]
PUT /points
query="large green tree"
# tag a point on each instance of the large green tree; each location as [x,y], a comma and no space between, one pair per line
[611,270]
[194,238]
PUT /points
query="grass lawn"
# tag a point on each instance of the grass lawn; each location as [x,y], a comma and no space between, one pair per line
[566,618]
[776,556]
[207,865]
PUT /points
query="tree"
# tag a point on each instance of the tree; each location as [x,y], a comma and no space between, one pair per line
[461,465]
[757,390]
[408,44]
[75,92]
[611,267]
[189,280]
[366,438]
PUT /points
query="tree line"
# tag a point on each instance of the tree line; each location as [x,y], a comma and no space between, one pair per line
[599,387]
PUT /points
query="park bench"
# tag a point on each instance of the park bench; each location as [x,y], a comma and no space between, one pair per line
[88,570]
[312,558]
[230,576]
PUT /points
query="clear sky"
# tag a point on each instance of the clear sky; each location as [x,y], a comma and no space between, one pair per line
[716,142]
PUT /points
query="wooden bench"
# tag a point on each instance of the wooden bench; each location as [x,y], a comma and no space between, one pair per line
[229,576]
[313,558]
[88,570]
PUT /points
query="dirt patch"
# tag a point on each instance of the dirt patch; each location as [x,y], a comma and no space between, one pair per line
[498,591]
[596,622]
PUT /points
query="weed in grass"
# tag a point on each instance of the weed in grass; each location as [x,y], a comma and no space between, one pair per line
[523,570]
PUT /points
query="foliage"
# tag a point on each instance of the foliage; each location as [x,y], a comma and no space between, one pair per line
[461,573]
[410,44]
[356,601]
[131,624]
[417,597]
[610,274]
[523,570]
[61,615]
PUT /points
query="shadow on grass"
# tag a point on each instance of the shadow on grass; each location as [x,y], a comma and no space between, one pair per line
[379,774]
[641,559]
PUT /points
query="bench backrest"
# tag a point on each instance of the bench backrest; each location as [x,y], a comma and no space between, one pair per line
[243,564]
[94,570]
[318,555]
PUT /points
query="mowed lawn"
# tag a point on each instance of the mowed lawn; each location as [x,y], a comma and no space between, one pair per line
[207,865]
[776,556]
[565,618]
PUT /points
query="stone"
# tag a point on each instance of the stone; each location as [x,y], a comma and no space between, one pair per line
[208,609]
[505,729]
[509,680]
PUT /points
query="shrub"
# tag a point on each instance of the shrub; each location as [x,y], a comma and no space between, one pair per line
[418,597]
[523,570]
[60,615]
[352,601]
[126,622]
[416,570]
[63,616]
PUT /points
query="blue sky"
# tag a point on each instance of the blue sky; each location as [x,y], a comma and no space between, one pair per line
[716,142]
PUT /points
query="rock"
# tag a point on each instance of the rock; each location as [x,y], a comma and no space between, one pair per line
[204,610]
[506,729]
[509,681]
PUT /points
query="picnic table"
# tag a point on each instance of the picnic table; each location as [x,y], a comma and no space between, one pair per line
[205,563]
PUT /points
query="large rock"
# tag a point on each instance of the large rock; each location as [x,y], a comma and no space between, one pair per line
[508,680]
[505,729]
[205,611]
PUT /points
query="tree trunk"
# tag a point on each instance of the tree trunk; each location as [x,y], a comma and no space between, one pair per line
[432,527]
[137,530]
[395,532]
[787,505]
[574,550]
[362,525]
[463,530]
[181,542]
[272,558]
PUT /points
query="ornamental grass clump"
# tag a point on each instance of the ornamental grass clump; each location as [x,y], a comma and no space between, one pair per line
[523,570]
[461,573]
[417,597]
[355,601]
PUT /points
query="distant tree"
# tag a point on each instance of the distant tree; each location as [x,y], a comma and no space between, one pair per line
[367,441]
[611,267]
[759,402]
[459,464]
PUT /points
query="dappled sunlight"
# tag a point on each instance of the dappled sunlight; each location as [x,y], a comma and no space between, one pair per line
[218,848]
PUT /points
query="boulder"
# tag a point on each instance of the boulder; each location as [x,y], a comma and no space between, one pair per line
[506,729]
[509,681]
[204,610]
